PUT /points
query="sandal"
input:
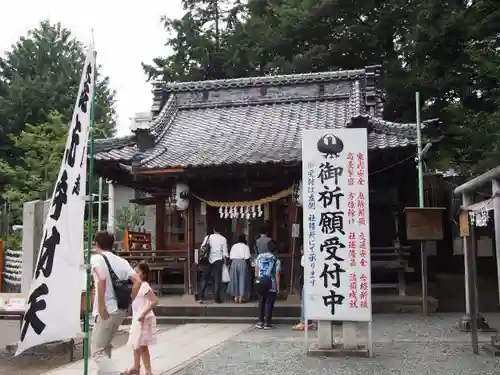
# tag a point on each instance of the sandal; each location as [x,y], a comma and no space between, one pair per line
[132,371]
[299,327]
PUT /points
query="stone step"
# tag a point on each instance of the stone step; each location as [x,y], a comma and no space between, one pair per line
[286,309]
[218,319]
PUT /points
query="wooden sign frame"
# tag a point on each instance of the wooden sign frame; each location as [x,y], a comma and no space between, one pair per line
[424,223]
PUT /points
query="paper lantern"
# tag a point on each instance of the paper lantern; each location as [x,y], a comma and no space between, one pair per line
[181,196]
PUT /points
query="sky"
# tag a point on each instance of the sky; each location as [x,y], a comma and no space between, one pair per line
[126,33]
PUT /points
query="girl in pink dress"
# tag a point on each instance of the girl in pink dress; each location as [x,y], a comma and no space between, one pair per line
[143,326]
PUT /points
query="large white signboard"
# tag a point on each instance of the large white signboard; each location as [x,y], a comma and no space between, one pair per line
[337,282]
[53,305]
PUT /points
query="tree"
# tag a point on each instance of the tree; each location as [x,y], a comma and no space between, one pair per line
[39,81]
[199,41]
[42,148]
[41,74]
[448,50]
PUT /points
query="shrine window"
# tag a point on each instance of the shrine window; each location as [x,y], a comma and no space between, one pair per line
[175,227]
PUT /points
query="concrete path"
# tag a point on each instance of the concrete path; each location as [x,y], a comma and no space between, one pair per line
[173,350]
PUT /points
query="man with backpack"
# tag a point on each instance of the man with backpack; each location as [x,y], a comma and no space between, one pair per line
[112,298]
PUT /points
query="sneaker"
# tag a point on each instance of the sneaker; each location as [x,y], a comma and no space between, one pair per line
[268,326]
[259,325]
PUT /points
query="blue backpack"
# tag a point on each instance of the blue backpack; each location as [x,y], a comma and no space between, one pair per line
[265,283]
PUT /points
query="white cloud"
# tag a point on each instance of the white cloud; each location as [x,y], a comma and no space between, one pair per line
[125,33]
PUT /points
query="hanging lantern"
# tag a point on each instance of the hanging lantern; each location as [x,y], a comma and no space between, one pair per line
[297,193]
[181,196]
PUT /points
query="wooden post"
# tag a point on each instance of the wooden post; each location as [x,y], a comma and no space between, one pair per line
[160,227]
[190,244]
[293,216]
[1,265]
[496,217]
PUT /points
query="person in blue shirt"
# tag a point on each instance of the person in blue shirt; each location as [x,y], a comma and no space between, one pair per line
[267,276]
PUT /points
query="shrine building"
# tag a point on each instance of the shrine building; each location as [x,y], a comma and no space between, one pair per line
[227,153]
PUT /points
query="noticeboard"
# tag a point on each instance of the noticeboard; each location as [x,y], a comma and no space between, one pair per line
[424,224]
[463,221]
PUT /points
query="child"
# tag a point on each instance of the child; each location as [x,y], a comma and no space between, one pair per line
[143,327]
[267,276]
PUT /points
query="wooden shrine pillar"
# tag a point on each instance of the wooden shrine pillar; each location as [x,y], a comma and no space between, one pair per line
[160,225]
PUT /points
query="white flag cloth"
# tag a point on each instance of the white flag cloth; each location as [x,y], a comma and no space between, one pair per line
[53,305]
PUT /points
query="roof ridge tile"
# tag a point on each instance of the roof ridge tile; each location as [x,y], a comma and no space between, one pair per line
[270,80]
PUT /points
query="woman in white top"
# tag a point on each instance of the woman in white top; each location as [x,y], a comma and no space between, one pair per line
[239,286]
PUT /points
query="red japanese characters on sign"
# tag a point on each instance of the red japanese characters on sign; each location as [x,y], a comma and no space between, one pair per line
[350,169]
[361,168]
[351,209]
[363,294]
[353,291]
[363,252]
[361,209]
[351,245]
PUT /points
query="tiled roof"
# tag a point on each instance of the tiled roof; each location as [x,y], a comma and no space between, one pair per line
[253,134]
[236,125]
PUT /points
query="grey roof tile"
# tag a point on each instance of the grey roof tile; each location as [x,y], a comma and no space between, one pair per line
[256,134]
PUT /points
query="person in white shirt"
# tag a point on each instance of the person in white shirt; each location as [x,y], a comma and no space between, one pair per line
[239,286]
[216,259]
[107,316]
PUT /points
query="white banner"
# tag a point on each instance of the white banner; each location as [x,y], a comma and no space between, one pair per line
[53,305]
[337,278]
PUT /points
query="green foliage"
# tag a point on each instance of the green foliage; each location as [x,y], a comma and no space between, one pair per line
[39,81]
[41,74]
[95,229]
[448,50]
[200,41]
[33,176]
[130,217]
[15,241]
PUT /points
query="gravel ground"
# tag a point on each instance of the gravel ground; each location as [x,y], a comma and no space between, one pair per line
[35,364]
[402,345]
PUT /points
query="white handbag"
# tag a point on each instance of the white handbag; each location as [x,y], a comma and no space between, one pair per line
[226,278]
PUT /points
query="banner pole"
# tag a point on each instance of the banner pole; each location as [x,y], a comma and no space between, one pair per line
[90,222]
